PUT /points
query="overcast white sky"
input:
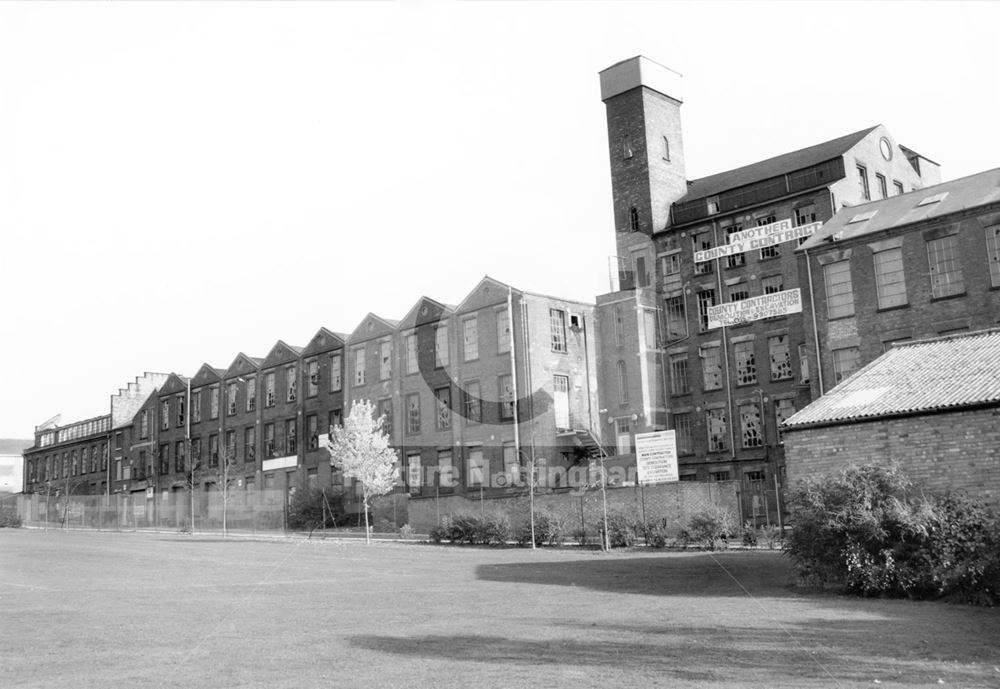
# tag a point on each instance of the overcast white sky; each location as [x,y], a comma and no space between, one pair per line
[180,182]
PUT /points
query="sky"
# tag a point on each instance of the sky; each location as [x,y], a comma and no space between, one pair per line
[181,182]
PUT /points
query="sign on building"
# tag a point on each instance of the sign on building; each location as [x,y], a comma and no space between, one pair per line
[755,308]
[656,457]
[758,238]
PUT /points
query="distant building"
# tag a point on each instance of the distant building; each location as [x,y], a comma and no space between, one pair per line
[12,464]
[931,405]
[920,264]
[725,390]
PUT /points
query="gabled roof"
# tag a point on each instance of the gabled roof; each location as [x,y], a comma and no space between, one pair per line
[960,194]
[372,326]
[174,383]
[426,310]
[773,167]
[207,375]
[281,353]
[323,341]
[242,365]
[937,374]
[486,293]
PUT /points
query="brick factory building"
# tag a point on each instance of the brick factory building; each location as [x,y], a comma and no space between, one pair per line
[932,406]
[917,265]
[724,389]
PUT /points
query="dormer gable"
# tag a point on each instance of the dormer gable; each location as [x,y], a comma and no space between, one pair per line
[372,327]
[242,365]
[281,353]
[488,292]
[323,341]
[207,375]
[425,311]
[173,385]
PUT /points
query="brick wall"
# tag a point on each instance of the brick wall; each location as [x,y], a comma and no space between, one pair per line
[957,450]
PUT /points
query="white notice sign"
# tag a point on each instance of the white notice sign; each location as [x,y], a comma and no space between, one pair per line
[758,238]
[755,308]
[656,457]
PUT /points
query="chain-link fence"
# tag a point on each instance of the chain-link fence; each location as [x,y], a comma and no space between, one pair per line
[240,511]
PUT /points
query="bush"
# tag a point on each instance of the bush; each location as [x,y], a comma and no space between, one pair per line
[656,534]
[439,533]
[621,530]
[405,531]
[548,531]
[866,531]
[383,525]
[9,518]
[310,509]
[712,527]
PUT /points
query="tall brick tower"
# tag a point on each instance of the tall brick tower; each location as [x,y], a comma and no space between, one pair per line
[646,151]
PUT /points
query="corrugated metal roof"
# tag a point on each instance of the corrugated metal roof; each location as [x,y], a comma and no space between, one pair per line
[773,167]
[956,195]
[913,377]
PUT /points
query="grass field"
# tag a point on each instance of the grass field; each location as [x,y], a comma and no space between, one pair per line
[91,609]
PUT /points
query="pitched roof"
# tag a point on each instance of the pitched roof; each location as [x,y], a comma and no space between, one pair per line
[772,167]
[940,373]
[960,194]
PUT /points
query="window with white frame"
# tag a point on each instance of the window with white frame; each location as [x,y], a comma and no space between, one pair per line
[385,360]
[475,468]
[506,385]
[196,405]
[746,363]
[772,284]
[671,264]
[231,391]
[739,259]
[413,413]
[780,356]
[470,338]
[384,412]
[683,431]
[839,290]
[751,429]
[715,422]
[412,363]
[706,298]
[312,378]
[179,408]
[863,183]
[269,448]
[473,402]
[676,317]
[702,242]
[291,384]
[503,331]
[711,367]
[165,415]
[359,366]
[993,254]
[557,329]
[560,401]
[680,383]
[441,354]
[251,403]
[336,381]
[845,362]
[947,278]
[890,283]
[442,398]
[768,251]
[511,465]
[213,396]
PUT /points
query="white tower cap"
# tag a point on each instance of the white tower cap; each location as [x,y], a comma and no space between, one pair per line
[640,71]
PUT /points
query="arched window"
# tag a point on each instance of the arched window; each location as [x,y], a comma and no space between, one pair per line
[633,219]
[622,383]
[666,148]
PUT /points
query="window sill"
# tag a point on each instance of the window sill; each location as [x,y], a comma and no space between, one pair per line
[897,307]
[949,296]
[840,318]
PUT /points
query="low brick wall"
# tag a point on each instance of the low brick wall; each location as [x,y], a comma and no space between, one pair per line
[673,502]
[941,452]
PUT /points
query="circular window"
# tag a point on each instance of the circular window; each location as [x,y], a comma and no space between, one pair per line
[886,148]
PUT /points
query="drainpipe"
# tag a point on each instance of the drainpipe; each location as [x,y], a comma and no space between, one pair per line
[812,306]
[725,350]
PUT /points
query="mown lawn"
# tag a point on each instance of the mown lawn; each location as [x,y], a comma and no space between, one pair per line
[87,609]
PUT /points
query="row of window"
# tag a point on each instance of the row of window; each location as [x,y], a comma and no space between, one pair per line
[750,430]
[702,241]
[745,369]
[67,464]
[947,277]
[880,184]
[477,468]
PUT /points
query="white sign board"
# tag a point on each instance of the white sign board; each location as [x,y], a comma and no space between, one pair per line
[656,457]
[758,238]
[755,308]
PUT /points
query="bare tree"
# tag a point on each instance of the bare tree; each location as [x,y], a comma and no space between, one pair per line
[360,448]
[223,477]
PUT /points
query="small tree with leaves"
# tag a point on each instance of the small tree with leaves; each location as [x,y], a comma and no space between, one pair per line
[360,449]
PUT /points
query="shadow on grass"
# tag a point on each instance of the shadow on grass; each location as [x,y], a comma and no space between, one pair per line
[706,574]
[837,651]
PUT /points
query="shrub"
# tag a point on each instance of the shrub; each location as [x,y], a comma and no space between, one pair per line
[865,531]
[494,529]
[310,509]
[621,530]
[548,531]
[9,518]
[383,525]
[405,531]
[712,527]
[463,528]
[439,533]
[656,534]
